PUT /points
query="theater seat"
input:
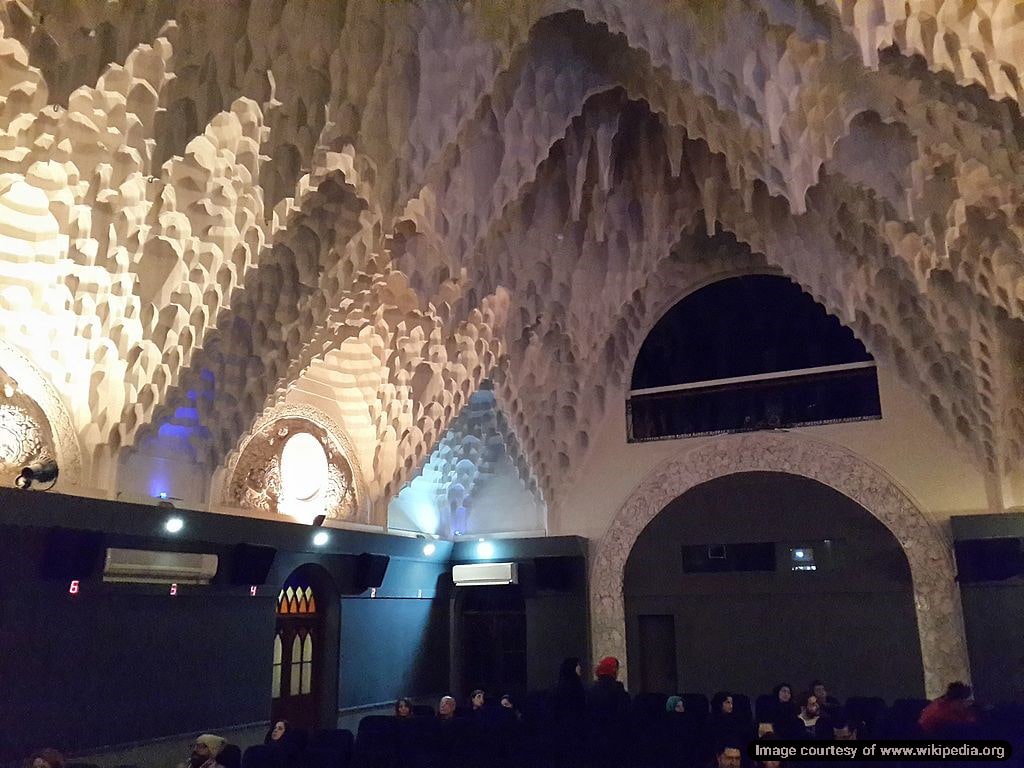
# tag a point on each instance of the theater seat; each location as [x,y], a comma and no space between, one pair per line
[422,710]
[764,708]
[697,704]
[901,722]
[375,741]
[230,756]
[330,748]
[868,710]
[741,706]
[262,756]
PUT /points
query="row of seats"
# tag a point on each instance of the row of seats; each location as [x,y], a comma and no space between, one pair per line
[325,748]
[878,720]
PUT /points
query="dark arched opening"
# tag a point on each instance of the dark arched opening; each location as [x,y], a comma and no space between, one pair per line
[748,353]
[759,577]
[304,687]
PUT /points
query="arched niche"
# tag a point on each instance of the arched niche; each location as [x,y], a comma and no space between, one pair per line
[308,608]
[755,577]
[255,474]
[59,429]
[937,602]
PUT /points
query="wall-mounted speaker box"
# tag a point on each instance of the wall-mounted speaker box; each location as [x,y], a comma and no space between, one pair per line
[370,570]
[251,564]
[989,559]
[71,554]
[558,574]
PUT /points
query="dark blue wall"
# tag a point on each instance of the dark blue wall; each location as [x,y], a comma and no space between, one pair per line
[392,647]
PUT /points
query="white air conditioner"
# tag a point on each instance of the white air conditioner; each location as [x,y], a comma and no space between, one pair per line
[143,566]
[485,574]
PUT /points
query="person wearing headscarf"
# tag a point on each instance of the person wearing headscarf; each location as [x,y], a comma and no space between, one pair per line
[784,713]
[283,737]
[608,708]
[570,696]
[725,726]
[569,714]
[677,732]
[204,752]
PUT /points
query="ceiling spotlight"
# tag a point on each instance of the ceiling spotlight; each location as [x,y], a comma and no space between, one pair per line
[174,524]
[321,538]
[429,549]
[37,472]
[484,549]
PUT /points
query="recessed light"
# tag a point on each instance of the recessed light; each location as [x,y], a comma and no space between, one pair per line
[174,524]
[321,538]
[429,549]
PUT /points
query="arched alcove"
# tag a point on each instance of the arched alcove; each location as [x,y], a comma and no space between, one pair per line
[304,688]
[751,578]
[937,602]
[744,353]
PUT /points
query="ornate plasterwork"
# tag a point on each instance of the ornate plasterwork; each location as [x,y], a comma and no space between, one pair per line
[939,619]
[32,385]
[254,472]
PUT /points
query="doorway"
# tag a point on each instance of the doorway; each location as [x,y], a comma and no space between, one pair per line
[304,688]
[493,639]
[658,671]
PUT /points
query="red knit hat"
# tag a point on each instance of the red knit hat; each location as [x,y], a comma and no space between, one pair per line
[607,667]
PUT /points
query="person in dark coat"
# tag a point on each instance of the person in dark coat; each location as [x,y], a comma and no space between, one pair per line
[678,734]
[784,713]
[569,715]
[725,726]
[570,696]
[608,709]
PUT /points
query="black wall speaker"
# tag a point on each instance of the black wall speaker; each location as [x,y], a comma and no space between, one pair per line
[989,559]
[558,574]
[251,563]
[370,570]
[71,554]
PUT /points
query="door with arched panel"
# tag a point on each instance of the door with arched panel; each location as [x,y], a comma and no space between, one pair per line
[297,656]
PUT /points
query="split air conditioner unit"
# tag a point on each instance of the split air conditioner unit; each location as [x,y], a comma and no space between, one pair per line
[142,566]
[485,574]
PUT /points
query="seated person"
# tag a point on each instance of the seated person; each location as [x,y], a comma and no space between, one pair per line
[446,708]
[204,752]
[809,715]
[949,714]
[46,758]
[403,708]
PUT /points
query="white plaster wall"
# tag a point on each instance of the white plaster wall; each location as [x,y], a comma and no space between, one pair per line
[907,444]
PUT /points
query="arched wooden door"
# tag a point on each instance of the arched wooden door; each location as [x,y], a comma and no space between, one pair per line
[298,656]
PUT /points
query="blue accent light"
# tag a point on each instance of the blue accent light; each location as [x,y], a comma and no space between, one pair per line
[174,431]
[162,494]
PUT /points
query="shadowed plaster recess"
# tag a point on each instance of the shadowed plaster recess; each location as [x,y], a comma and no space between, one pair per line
[475,481]
[937,601]
[263,476]
[208,204]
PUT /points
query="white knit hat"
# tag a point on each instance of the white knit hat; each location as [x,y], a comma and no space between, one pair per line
[214,743]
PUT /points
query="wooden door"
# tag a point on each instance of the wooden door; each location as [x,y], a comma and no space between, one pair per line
[297,656]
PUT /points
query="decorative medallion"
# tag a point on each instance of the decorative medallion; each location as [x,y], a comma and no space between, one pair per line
[292,466]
